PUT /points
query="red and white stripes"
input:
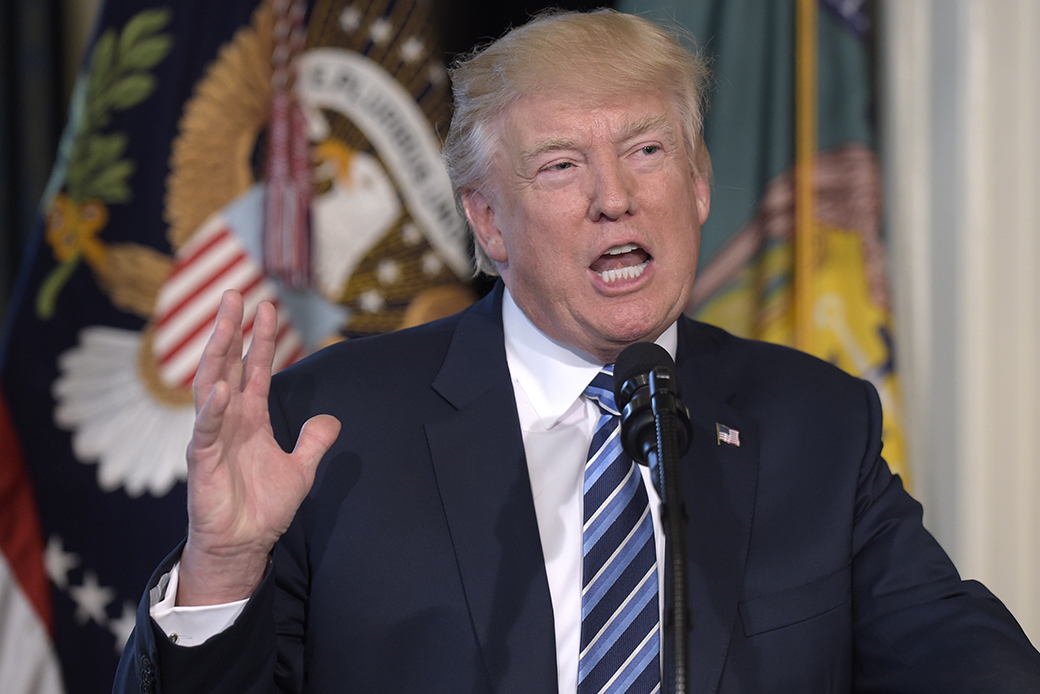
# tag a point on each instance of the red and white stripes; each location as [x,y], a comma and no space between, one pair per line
[213,261]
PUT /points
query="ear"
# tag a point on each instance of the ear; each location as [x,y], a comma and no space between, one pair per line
[481,217]
[702,191]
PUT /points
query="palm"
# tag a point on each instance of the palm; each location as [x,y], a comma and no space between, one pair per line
[243,489]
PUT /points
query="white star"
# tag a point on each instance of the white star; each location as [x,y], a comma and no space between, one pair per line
[388,271]
[91,599]
[411,234]
[432,263]
[372,301]
[59,562]
[350,19]
[381,30]
[412,49]
[438,75]
[124,626]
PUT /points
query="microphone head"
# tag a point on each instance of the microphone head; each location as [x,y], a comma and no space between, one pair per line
[637,359]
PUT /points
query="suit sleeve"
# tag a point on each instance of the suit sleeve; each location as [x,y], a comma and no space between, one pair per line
[261,652]
[242,658]
[919,627]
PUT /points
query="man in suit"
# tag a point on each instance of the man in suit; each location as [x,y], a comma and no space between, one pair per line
[440,543]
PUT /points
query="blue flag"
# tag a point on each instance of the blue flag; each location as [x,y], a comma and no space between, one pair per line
[158,204]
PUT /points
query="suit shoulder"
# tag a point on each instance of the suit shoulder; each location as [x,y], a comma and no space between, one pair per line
[754,368]
[390,362]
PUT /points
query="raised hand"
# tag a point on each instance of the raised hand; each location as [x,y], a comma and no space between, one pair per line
[243,489]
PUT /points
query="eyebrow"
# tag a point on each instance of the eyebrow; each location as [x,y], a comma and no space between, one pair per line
[554,144]
[629,130]
[646,124]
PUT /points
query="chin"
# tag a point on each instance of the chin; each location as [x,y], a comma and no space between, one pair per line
[638,322]
[626,334]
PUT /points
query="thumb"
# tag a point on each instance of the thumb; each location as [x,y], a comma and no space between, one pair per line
[317,436]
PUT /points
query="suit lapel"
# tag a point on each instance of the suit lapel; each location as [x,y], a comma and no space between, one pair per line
[478,459]
[719,481]
[481,471]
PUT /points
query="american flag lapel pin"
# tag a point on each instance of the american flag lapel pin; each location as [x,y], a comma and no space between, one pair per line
[727,435]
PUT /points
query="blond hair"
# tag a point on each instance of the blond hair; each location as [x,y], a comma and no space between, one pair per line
[604,53]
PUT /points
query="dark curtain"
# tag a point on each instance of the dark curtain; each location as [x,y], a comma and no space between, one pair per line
[466,23]
[31,118]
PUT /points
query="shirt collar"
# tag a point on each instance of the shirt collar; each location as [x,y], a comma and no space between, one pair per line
[551,374]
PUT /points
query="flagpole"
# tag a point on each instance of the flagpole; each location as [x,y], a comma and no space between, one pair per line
[805,155]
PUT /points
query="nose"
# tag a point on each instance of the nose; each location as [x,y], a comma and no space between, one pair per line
[612,194]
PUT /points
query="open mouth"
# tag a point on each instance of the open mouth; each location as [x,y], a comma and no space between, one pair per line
[625,262]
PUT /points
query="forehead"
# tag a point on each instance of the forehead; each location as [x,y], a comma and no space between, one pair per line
[559,119]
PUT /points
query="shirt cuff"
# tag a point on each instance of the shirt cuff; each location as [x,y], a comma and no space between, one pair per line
[191,625]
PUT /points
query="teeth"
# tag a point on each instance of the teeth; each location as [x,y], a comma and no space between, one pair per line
[623,273]
[618,250]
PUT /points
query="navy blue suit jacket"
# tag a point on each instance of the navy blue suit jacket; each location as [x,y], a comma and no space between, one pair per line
[415,564]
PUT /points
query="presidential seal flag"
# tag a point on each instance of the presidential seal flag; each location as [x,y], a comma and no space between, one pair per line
[288,150]
[792,250]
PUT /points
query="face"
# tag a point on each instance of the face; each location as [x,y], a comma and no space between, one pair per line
[593,216]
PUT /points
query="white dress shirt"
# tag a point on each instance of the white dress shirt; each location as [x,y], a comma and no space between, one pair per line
[557,423]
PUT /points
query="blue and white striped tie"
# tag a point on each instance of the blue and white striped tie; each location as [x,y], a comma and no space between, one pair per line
[620,622]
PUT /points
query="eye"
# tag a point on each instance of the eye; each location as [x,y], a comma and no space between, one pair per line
[650,149]
[559,166]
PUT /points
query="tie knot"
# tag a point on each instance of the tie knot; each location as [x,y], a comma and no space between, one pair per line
[602,390]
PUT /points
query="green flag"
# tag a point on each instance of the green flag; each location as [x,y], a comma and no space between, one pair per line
[747,275]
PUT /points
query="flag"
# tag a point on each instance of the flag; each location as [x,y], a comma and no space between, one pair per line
[727,435]
[823,287]
[28,661]
[183,111]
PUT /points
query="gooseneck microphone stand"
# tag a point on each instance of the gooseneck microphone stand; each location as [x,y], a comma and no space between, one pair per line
[656,431]
[665,460]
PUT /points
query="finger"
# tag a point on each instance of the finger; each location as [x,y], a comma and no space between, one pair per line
[213,364]
[257,374]
[208,421]
[234,305]
[317,436]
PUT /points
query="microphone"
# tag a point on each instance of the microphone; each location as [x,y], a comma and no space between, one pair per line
[647,389]
[656,431]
